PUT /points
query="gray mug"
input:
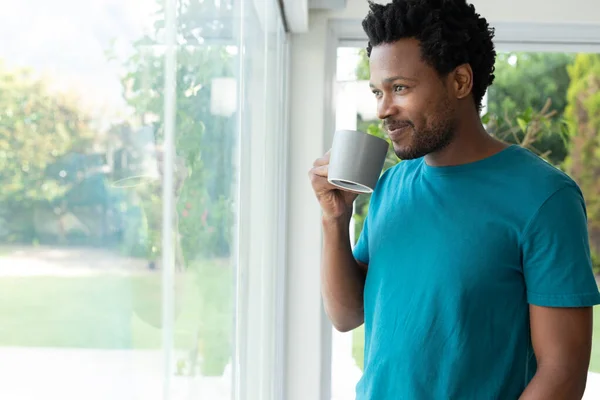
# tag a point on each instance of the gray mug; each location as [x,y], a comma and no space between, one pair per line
[356,160]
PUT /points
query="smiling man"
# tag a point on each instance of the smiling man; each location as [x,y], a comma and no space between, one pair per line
[472,273]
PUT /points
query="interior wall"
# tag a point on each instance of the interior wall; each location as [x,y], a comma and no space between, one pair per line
[306,375]
[540,11]
[306,322]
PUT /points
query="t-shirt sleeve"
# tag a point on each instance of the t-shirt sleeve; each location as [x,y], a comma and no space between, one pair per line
[556,254]
[361,249]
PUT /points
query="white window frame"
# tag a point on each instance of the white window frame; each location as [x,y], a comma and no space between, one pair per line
[259,350]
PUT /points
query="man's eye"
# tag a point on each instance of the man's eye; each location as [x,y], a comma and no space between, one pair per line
[399,88]
[377,93]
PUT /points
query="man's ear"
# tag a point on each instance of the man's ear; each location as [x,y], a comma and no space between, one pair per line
[462,81]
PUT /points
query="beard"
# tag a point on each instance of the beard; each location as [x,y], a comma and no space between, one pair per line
[424,141]
[434,137]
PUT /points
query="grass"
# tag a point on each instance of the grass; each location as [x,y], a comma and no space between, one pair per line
[117,312]
[358,337]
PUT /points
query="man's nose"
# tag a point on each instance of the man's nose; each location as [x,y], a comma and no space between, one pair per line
[386,107]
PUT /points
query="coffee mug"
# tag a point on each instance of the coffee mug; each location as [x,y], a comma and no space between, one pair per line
[356,160]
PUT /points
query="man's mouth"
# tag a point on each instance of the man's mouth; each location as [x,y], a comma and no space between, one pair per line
[396,125]
[396,130]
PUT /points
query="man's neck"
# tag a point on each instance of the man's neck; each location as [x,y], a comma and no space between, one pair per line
[471,143]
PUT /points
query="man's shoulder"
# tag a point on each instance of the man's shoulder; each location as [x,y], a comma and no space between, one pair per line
[532,181]
[538,175]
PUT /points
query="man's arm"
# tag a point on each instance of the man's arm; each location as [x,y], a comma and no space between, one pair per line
[561,291]
[342,277]
[562,341]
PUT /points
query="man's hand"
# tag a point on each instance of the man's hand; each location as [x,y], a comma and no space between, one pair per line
[562,342]
[342,278]
[335,203]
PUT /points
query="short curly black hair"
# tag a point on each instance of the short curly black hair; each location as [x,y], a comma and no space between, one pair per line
[450,33]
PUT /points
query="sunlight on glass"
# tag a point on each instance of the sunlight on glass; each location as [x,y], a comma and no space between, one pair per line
[81,227]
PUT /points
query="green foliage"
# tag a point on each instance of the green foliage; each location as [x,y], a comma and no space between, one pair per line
[362,69]
[530,129]
[38,130]
[583,116]
[522,77]
[528,82]
[37,127]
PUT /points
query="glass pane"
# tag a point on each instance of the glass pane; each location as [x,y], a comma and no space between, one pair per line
[82,151]
[260,146]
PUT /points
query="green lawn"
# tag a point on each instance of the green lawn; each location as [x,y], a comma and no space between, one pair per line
[114,312]
[359,337]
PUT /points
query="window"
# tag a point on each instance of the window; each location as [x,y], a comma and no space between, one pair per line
[132,135]
[544,101]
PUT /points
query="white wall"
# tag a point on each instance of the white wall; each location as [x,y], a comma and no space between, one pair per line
[562,11]
[305,374]
[304,310]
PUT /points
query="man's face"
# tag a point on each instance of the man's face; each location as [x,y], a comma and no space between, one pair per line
[412,100]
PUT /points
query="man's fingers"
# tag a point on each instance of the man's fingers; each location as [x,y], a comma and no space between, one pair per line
[322,160]
[321,170]
[318,178]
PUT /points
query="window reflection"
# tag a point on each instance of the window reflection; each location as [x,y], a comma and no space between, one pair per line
[82,167]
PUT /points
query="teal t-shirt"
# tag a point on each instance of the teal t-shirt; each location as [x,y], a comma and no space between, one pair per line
[455,256]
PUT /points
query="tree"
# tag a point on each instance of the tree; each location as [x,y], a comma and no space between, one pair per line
[528,82]
[38,130]
[583,116]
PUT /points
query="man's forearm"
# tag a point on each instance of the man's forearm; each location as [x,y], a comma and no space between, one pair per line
[342,281]
[555,384]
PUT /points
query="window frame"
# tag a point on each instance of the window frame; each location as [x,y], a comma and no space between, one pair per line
[259,349]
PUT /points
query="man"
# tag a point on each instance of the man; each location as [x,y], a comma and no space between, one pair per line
[472,273]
